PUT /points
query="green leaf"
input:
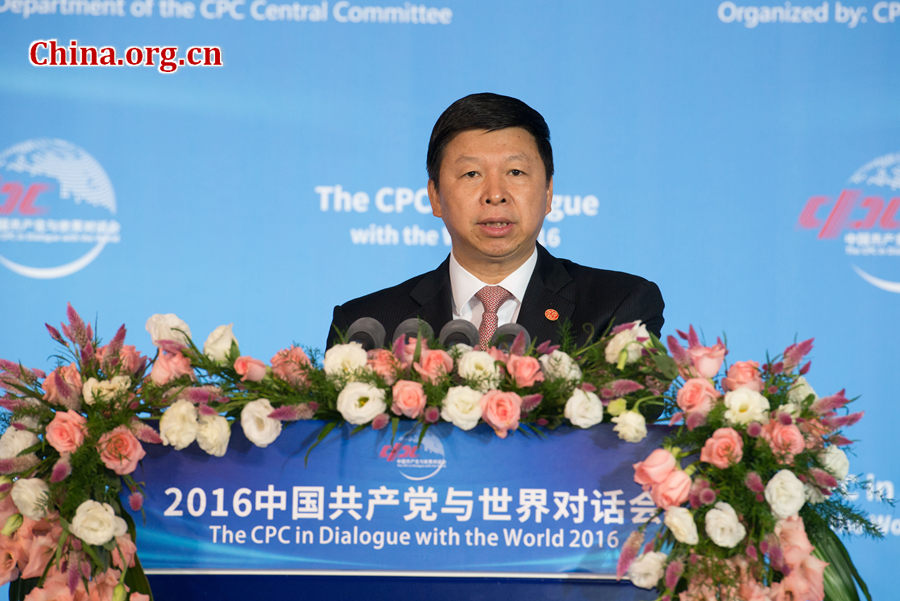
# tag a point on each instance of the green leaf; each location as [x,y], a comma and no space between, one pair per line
[841,576]
[325,431]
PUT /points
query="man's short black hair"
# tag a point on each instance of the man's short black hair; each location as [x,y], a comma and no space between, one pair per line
[490,112]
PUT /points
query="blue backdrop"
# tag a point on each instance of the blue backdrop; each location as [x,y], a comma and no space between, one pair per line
[744,157]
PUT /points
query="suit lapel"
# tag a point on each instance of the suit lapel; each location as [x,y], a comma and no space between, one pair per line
[433,296]
[545,294]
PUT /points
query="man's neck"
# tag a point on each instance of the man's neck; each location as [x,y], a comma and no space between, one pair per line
[493,272]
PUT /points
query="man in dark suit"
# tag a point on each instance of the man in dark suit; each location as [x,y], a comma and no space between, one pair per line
[490,170]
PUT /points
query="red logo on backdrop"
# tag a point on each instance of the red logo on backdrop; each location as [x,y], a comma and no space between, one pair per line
[865,216]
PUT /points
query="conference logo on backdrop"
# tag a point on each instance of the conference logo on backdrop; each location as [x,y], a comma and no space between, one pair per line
[864,216]
[416,459]
[56,209]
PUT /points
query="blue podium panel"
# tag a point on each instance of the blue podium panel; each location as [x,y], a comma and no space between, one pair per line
[457,506]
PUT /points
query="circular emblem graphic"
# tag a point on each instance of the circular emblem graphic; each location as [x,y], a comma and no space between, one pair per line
[425,461]
[56,204]
[873,240]
[551,314]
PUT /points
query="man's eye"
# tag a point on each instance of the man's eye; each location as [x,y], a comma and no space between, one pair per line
[470,174]
[516,172]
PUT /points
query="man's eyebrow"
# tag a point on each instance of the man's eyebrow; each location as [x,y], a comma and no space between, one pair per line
[512,157]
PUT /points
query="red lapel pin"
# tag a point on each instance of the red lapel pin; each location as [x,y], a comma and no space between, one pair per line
[551,314]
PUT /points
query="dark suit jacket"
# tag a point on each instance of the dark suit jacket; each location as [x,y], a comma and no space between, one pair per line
[583,295]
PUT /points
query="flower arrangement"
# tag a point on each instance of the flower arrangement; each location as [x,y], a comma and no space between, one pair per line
[749,485]
[77,434]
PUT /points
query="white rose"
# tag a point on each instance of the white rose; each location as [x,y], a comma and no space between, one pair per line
[785,494]
[31,496]
[800,390]
[745,406]
[627,340]
[479,369]
[259,428]
[723,526]
[96,523]
[359,403]
[94,390]
[646,570]
[462,407]
[584,409]
[178,425]
[344,359]
[218,343]
[630,426]
[14,441]
[213,434]
[835,461]
[680,522]
[559,365]
[166,327]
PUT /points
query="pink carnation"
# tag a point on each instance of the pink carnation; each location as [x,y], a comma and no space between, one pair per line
[290,365]
[120,451]
[250,369]
[785,440]
[384,363]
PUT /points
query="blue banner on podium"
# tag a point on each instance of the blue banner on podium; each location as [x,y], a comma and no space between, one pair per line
[464,504]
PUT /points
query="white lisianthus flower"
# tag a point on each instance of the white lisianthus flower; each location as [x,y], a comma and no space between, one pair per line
[178,424]
[648,569]
[560,366]
[835,462]
[30,496]
[785,494]
[584,409]
[479,369]
[680,522]
[462,407]
[97,523]
[14,441]
[359,403]
[723,526]
[799,391]
[213,434]
[168,326]
[630,426]
[627,340]
[104,391]
[343,359]
[259,428]
[745,405]
[218,343]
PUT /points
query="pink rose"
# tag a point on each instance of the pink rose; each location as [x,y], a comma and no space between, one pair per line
[655,468]
[290,365]
[250,369]
[408,398]
[707,359]
[67,431]
[129,359]
[433,364]
[524,370]
[120,451]
[743,374]
[697,396]
[671,491]
[723,449]
[63,386]
[785,440]
[384,363]
[501,411]
[169,366]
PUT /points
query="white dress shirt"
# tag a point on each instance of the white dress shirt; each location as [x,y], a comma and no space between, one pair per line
[465,285]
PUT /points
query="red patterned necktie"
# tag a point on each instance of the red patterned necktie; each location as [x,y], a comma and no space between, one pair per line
[491,297]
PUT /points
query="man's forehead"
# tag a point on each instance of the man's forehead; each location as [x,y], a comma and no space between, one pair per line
[475,138]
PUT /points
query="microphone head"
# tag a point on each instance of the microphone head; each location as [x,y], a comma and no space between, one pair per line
[506,335]
[458,331]
[367,331]
[411,328]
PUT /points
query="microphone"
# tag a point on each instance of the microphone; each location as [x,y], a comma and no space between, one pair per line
[458,331]
[410,327]
[506,335]
[367,331]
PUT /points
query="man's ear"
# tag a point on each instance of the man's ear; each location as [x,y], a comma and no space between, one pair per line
[434,198]
[549,197]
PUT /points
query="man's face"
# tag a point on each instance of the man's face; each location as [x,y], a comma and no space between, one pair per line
[493,196]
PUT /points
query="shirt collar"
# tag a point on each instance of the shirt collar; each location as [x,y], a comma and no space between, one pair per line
[464,285]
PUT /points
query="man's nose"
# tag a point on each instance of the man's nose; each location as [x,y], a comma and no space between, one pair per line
[494,190]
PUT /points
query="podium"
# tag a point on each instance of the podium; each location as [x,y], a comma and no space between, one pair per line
[447,515]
